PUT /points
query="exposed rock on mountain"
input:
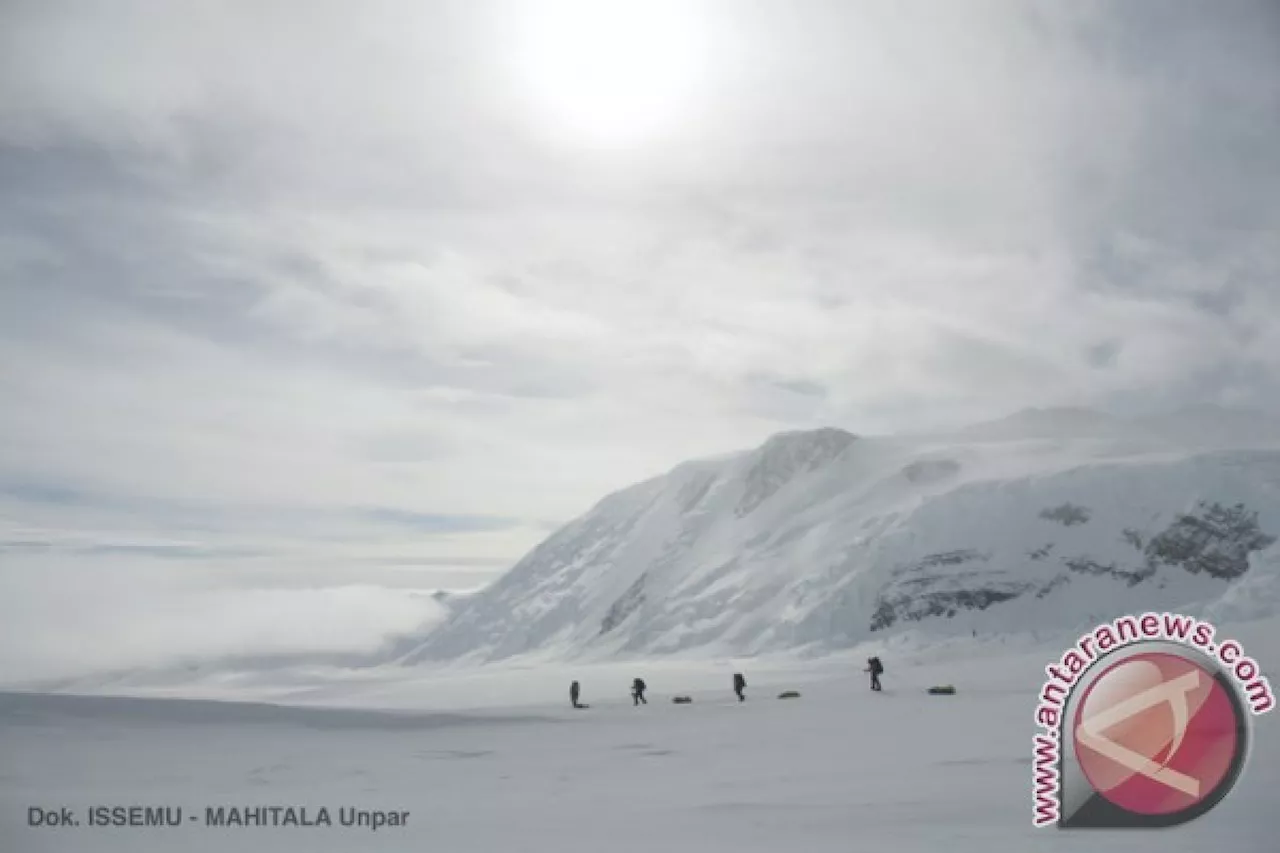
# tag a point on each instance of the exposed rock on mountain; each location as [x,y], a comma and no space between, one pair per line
[819,540]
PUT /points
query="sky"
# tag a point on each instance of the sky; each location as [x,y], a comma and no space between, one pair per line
[362,300]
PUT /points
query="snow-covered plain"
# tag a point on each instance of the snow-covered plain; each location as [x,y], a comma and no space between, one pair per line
[494,759]
[970,559]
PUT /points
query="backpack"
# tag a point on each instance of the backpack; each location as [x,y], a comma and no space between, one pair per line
[877,667]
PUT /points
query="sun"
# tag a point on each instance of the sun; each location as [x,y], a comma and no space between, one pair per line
[609,71]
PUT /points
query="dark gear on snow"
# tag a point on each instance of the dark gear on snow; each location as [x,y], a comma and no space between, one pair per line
[876,669]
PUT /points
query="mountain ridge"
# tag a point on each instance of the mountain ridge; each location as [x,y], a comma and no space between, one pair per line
[822,539]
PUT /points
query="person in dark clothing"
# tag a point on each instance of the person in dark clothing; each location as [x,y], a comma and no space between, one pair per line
[638,688]
[739,685]
[573,694]
[876,669]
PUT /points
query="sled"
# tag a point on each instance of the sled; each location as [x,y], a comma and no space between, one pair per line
[790,694]
[942,690]
[682,700]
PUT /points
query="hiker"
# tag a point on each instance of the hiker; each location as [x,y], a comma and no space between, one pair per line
[573,694]
[876,669]
[739,685]
[637,692]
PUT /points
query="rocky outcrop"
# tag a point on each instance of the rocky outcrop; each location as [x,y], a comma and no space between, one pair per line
[1067,514]
[1216,541]
[786,456]
[941,604]
[931,470]
[624,606]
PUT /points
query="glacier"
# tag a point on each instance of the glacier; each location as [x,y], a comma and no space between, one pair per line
[969,558]
[818,541]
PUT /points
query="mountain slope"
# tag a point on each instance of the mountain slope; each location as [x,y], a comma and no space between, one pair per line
[820,540]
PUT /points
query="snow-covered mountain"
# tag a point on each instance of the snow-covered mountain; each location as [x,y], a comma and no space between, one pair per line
[816,541]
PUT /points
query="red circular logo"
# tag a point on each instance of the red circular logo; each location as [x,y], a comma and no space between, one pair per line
[1156,734]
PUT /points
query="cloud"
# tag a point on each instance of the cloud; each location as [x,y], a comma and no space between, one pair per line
[126,615]
[436,523]
[257,278]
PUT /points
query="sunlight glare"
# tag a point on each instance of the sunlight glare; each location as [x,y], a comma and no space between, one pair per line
[611,71]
